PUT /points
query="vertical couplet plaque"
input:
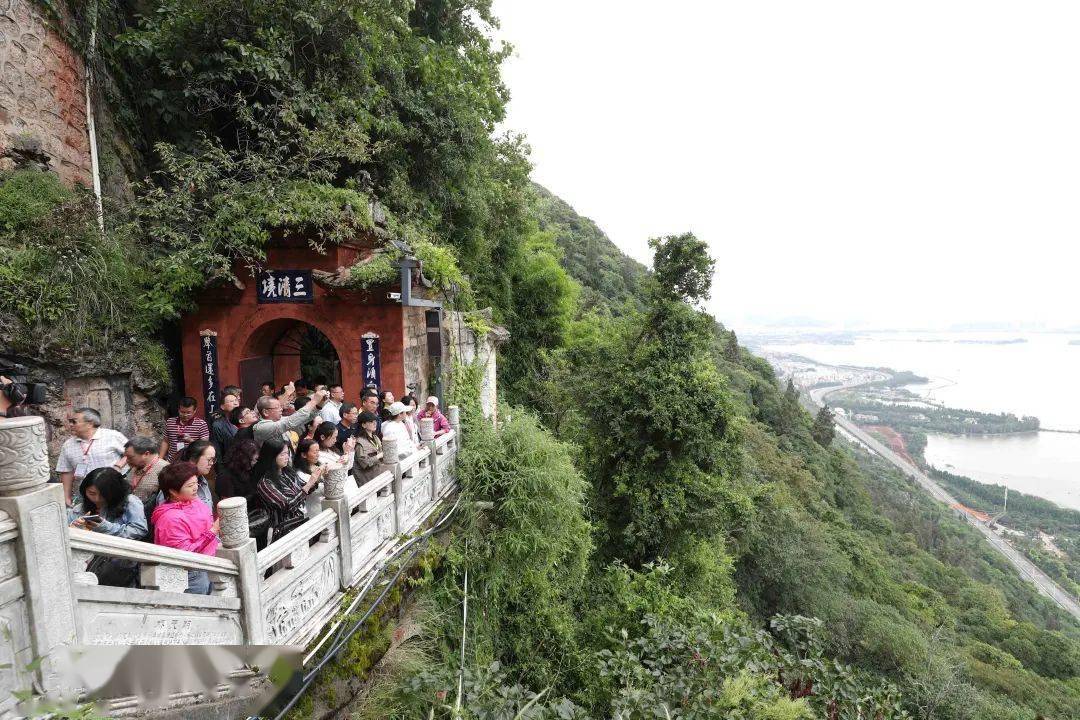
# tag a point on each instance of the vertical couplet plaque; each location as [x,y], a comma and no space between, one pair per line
[208,359]
[372,377]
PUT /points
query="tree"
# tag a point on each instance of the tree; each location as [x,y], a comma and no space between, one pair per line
[823,430]
[791,393]
[660,442]
[682,267]
[545,298]
[790,411]
[731,348]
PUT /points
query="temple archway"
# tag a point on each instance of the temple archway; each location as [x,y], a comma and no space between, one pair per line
[285,349]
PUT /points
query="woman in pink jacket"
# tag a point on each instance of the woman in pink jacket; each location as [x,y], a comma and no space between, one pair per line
[431,410]
[184,521]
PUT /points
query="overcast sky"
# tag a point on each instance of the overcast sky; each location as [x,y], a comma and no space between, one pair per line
[911,163]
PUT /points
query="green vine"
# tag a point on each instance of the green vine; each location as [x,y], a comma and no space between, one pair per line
[466,379]
[478,323]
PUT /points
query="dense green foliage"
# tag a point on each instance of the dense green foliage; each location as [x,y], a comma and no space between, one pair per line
[660,434]
[303,111]
[528,556]
[714,504]
[70,293]
[252,120]
[663,532]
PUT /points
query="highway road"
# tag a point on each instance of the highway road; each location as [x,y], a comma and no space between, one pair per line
[1025,567]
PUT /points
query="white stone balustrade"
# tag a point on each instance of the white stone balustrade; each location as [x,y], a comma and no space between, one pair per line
[39,605]
[281,595]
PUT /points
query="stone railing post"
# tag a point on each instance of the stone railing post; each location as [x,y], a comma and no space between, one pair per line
[43,552]
[427,429]
[390,460]
[427,437]
[238,545]
[453,415]
[334,498]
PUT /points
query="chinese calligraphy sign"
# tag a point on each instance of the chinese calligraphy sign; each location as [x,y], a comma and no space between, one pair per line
[285,286]
[369,346]
[208,362]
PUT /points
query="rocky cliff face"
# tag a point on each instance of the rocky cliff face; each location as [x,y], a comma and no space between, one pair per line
[124,399]
[42,94]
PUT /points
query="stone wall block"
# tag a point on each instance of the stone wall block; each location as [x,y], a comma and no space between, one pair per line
[42,76]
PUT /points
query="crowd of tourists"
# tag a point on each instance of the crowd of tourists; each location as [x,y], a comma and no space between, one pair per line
[274,452]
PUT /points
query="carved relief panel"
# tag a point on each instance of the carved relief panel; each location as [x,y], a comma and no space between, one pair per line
[297,604]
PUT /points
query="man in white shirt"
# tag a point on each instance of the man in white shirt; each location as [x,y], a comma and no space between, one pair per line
[331,410]
[90,447]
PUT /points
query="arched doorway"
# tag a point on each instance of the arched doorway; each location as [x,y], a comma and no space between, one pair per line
[286,349]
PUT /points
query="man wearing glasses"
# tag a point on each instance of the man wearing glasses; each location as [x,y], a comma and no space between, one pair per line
[90,447]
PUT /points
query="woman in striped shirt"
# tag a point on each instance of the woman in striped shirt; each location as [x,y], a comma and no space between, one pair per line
[280,488]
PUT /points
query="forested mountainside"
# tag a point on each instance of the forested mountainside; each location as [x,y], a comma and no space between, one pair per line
[655,529]
[608,277]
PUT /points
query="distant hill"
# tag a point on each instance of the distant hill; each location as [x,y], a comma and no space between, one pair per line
[607,275]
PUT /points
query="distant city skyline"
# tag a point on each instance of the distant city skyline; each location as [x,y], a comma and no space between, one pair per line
[857,163]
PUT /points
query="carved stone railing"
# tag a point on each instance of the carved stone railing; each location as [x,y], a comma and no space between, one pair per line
[281,595]
[161,568]
[39,602]
[372,520]
[304,577]
[413,487]
[158,612]
[15,654]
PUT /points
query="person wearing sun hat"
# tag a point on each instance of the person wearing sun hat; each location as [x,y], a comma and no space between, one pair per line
[431,410]
[394,428]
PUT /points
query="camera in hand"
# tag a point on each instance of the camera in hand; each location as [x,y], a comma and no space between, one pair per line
[19,392]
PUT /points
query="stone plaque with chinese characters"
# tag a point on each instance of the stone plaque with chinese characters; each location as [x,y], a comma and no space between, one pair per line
[285,286]
[370,354]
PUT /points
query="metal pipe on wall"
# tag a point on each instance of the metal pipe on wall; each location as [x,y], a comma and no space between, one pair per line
[91,127]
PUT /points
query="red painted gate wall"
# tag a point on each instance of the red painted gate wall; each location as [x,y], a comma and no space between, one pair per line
[246,329]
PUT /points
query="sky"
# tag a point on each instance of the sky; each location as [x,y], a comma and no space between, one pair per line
[861,163]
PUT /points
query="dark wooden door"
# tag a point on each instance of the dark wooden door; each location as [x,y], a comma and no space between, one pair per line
[253,373]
